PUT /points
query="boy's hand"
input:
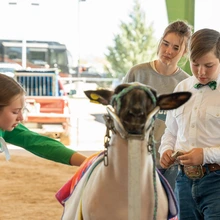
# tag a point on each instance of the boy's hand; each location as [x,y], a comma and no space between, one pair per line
[192,157]
[166,160]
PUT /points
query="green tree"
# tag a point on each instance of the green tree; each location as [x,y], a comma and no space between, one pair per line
[134,44]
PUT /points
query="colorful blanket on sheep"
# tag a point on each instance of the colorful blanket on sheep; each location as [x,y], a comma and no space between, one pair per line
[69,187]
[63,194]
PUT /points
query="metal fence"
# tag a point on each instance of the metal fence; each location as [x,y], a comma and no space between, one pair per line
[46,83]
[38,83]
[76,85]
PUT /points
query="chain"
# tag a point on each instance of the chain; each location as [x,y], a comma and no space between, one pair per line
[106,145]
[109,127]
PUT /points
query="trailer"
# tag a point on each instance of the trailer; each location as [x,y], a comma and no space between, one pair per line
[47,107]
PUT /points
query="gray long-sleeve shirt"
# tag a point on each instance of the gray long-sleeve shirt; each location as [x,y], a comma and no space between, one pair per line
[146,74]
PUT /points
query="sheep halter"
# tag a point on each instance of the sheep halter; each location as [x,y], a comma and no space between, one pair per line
[117,97]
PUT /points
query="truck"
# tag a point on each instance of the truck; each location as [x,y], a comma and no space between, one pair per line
[39,54]
[47,108]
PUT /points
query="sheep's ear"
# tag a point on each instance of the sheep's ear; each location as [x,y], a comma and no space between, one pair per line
[101,96]
[173,100]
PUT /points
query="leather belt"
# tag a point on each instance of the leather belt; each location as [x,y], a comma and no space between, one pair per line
[211,167]
[197,172]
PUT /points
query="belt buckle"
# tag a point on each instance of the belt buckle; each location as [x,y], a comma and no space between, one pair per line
[193,172]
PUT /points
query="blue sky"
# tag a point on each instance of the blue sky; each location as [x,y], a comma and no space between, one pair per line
[98,21]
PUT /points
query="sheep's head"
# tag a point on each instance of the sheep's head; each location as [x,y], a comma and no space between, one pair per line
[134,102]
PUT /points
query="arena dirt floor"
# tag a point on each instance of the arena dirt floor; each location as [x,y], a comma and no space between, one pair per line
[28,185]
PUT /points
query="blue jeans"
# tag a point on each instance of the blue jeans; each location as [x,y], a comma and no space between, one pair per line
[198,199]
[170,175]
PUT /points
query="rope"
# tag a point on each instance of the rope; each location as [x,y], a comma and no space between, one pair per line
[152,145]
[117,97]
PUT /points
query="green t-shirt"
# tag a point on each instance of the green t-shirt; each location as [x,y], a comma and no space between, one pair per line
[39,145]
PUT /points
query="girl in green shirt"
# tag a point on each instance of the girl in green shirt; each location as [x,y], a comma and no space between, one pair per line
[12,103]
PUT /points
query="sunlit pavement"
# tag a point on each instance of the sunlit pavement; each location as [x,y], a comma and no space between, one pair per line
[87,132]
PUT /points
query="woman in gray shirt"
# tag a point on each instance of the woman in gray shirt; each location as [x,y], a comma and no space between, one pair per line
[163,75]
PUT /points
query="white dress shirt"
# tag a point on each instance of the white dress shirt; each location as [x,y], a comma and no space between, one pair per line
[196,124]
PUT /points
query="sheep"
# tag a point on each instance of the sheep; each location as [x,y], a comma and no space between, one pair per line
[122,181]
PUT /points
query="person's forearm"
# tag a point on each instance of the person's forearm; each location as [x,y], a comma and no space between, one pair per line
[77,159]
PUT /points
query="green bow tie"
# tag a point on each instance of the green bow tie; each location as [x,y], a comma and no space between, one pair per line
[212,85]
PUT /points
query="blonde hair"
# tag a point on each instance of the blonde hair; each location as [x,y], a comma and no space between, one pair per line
[9,89]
